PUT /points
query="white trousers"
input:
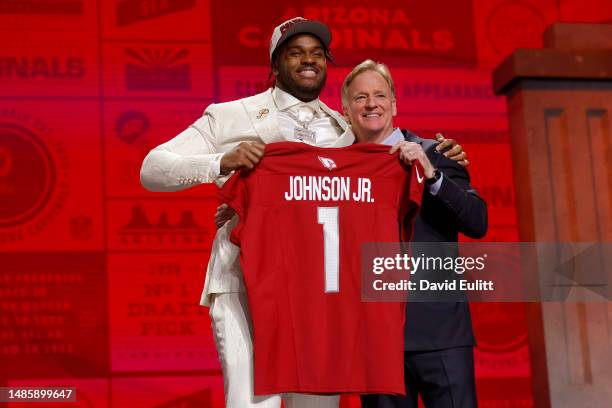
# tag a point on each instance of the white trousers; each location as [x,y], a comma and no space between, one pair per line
[231,325]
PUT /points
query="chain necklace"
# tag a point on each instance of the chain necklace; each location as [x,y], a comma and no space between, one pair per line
[303,123]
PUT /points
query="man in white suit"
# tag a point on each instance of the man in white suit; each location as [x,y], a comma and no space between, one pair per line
[230,136]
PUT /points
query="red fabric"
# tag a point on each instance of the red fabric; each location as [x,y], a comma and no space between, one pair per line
[307,340]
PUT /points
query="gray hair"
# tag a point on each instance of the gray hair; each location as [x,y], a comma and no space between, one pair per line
[367,65]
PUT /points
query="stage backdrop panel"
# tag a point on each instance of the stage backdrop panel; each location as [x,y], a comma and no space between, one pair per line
[176,20]
[131,130]
[50,176]
[155,324]
[54,320]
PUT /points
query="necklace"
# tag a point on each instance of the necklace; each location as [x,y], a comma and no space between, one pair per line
[301,131]
[303,123]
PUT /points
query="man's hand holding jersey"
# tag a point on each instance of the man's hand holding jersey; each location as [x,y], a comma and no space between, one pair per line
[409,152]
[245,155]
[248,154]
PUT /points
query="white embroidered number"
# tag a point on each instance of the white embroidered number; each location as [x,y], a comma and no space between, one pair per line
[328,217]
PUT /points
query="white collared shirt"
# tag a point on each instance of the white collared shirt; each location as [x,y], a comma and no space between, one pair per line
[289,107]
[327,130]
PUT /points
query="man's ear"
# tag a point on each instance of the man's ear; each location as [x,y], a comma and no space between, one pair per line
[345,112]
[393,108]
[275,57]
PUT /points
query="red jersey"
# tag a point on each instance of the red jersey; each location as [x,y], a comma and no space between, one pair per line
[304,213]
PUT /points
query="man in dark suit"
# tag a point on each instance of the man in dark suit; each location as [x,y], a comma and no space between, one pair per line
[439,360]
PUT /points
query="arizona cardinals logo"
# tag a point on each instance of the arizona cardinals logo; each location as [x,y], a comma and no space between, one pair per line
[328,163]
[289,23]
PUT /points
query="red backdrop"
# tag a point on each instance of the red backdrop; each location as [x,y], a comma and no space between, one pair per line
[100,279]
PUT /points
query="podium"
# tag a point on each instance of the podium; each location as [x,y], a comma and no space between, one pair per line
[559,101]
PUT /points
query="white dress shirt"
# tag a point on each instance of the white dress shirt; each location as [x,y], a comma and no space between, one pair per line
[326,129]
[290,107]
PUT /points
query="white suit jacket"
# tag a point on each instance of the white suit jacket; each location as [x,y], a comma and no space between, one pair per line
[185,161]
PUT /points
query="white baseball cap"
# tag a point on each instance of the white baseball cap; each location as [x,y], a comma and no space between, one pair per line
[299,25]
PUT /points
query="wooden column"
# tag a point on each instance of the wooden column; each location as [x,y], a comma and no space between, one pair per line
[559,105]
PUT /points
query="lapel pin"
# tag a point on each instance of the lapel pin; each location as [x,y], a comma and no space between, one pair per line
[262,112]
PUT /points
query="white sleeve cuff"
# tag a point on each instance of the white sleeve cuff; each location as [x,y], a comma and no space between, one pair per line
[435,187]
[214,168]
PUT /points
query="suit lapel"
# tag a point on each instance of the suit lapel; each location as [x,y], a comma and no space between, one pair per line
[262,113]
[336,116]
[345,139]
[427,145]
[411,137]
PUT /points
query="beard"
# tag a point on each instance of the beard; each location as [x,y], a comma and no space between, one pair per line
[303,91]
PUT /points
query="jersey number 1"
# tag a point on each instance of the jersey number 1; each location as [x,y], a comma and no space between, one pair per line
[328,217]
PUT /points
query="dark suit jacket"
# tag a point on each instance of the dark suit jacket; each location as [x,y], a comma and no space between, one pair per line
[456,208]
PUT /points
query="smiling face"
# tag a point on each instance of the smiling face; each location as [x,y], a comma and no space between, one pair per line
[300,67]
[370,107]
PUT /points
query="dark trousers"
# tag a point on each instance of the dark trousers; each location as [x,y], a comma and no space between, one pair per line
[443,378]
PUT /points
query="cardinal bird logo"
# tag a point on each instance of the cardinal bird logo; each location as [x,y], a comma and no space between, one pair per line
[328,163]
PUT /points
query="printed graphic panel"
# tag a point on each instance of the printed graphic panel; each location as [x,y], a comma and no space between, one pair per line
[156,323]
[161,224]
[49,65]
[54,319]
[404,31]
[132,129]
[163,70]
[168,392]
[50,176]
[156,20]
[502,26]
[69,18]
[425,94]
[508,393]
[501,332]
